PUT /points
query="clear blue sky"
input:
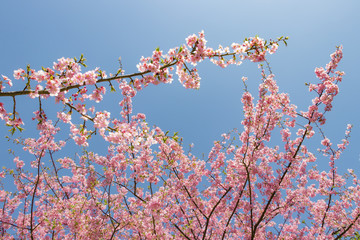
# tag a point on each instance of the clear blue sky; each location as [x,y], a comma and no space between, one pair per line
[39,32]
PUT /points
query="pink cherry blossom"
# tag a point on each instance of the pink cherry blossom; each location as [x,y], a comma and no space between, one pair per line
[19,74]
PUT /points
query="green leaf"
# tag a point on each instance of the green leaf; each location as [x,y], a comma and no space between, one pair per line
[12,130]
[112,89]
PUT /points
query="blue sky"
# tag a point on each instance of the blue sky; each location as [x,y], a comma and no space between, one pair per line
[39,32]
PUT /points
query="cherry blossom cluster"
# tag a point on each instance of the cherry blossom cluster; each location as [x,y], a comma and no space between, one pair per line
[146,186]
